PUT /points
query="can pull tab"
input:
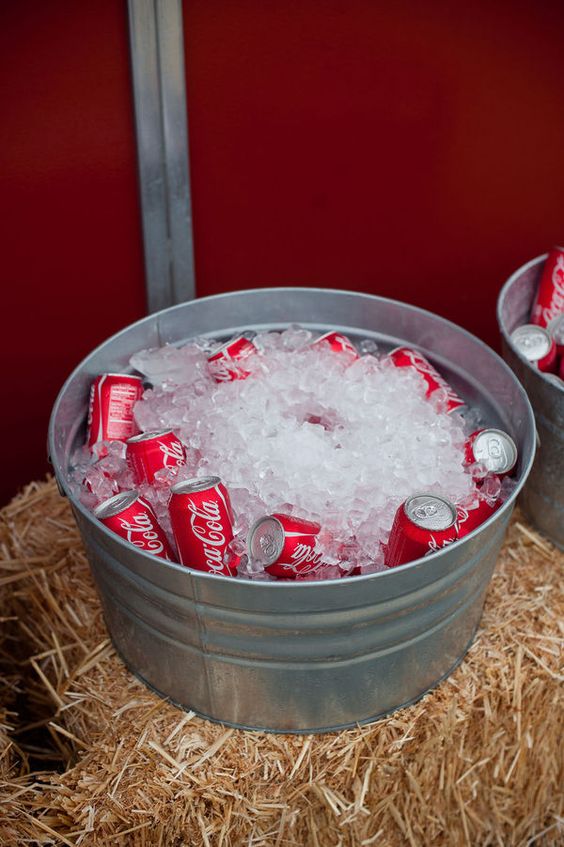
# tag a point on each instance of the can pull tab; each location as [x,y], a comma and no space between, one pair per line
[62,492]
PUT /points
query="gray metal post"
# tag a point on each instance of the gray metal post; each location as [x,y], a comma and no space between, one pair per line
[159,91]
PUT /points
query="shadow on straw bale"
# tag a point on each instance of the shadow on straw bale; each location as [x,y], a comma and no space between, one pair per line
[477,762]
[16,782]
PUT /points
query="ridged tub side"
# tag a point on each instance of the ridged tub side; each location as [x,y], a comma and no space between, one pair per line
[543,495]
[251,657]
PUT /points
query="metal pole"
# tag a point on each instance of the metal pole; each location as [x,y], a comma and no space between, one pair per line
[159,92]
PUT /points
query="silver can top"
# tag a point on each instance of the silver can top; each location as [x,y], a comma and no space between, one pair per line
[495,449]
[190,486]
[429,511]
[147,436]
[556,329]
[223,347]
[127,376]
[266,540]
[116,504]
[532,341]
[247,335]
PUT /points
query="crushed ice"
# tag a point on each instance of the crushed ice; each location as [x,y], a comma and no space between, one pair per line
[310,432]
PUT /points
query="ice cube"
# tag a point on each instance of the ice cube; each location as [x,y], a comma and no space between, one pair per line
[309,433]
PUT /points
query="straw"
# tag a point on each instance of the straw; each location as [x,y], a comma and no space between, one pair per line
[477,761]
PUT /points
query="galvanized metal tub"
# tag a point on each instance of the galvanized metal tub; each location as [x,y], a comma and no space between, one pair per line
[543,496]
[308,656]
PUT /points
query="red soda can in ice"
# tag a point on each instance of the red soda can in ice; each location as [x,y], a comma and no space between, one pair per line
[285,545]
[132,518]
[468,519]
[110,411]
[423,524]
[225,363]
[202,523]
[405,357]
[556,331]
[338,342]
[549,302]
[536,345]
[153,451]
[492,448]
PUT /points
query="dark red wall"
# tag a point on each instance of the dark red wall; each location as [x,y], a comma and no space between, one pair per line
[72,263]
[411,149]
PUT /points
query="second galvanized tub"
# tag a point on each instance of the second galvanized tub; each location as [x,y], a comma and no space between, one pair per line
[543,496]
[306,656]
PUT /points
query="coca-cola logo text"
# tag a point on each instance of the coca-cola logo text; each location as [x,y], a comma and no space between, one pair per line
[461,515]
[344,344]
[305,559]
[224,365]
[173,452]
[432,377]
[556,306]
[140,531]
[435,545]
[226,370]
[207,527]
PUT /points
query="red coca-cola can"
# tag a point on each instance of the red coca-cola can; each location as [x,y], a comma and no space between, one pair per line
[536,345]
[225,363]
[422,525]
[202,524]
[492,448]
[405,357]
[468,519]
[549,302]
[338,342]
[132,518]
[154,451]
[285,545]
[556,330]
[110,411]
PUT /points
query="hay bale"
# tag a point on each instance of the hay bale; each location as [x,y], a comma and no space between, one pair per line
[11,760]
[15,782]
[17,787]
[478,761]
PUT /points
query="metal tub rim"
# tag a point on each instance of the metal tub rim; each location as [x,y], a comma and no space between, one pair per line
[287,585]
[541,375]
